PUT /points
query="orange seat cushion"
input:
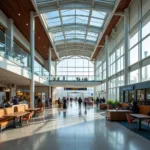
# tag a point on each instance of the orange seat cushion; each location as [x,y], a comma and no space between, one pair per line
[2,113]
[9,110]
[5,123]
[19,108]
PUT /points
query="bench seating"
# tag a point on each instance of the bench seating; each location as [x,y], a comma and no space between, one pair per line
[5,121]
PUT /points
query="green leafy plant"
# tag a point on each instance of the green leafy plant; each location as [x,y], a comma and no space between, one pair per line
[116,103]
[110,102]
[94,99]
[113,103]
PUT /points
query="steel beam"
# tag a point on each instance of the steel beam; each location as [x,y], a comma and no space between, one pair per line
[99,6]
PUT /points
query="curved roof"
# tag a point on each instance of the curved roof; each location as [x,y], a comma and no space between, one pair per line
[75,25]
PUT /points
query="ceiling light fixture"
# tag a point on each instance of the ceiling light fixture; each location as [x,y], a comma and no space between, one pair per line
[19,14]
[26,24]
[39,37]
[6,89]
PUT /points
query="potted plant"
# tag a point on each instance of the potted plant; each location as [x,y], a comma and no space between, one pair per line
[116,104]
[110,104]
[94,99]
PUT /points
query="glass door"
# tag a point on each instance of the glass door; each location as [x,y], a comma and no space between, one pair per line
[147,96]
[131,96]
[126,96]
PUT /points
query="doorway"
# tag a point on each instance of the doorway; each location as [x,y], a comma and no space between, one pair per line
[75,94]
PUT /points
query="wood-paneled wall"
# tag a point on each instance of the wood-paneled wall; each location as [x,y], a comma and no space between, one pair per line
[144,109]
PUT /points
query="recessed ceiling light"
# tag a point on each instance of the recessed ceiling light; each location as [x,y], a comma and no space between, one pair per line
[39,37]
[26,24]
[19,14]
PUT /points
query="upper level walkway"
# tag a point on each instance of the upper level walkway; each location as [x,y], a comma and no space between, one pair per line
[78,81]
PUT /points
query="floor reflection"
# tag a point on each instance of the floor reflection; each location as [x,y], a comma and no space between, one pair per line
[72,129]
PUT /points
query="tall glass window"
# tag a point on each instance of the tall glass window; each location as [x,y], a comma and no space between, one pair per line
[75,67]
[134,38]
[146,73]
[134,76]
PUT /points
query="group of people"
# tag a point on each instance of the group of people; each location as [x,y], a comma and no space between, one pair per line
[12,101]
[100,100]
[48,102]
[133,107]
[64,101]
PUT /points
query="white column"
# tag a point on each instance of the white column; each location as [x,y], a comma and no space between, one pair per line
[49,92]
[10,35]
[32,52]
[49,61]
[140,44]
[107,66]
[55,68]
[126,46]
[95,77]
[12,88]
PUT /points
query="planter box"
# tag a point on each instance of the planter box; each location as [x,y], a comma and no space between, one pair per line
[117,115]
[102,106]
[109,107]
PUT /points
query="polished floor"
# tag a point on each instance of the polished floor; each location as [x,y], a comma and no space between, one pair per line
[72,129]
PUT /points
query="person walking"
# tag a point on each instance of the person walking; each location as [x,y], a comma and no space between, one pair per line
[103,100]
[97,101]
[64,103]
[85,102]
[79,101]
[50,101]
[71,99]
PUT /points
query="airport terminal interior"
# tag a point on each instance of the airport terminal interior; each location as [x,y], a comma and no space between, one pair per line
[74,74]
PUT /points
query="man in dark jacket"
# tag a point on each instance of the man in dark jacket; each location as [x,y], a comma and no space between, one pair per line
[79,101]
[97,101]
[15,101]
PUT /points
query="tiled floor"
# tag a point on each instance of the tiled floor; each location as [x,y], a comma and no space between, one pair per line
[73,129]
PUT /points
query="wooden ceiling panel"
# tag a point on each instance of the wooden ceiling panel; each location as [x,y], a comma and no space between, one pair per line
[12,9]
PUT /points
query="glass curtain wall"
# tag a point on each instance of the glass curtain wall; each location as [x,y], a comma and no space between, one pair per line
[139,41]
[75,67]
[138,52]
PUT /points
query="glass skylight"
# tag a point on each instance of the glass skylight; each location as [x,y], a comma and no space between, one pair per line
[73,23]
[64,19]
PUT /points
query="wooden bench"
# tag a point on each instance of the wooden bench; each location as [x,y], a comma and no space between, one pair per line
[5,121]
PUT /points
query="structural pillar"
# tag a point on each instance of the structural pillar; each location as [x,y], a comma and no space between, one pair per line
[55,68]
[49,62]
[10,36]
[49,66]
[32,52]
[126,46]
[107,66]
[95,77]
[12,88]
[140,43]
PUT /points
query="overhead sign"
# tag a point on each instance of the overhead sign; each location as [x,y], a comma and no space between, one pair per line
[77,89]
[128,88]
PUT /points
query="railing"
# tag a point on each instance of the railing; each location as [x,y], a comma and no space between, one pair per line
[19,56]
[81,78]
[15,54]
